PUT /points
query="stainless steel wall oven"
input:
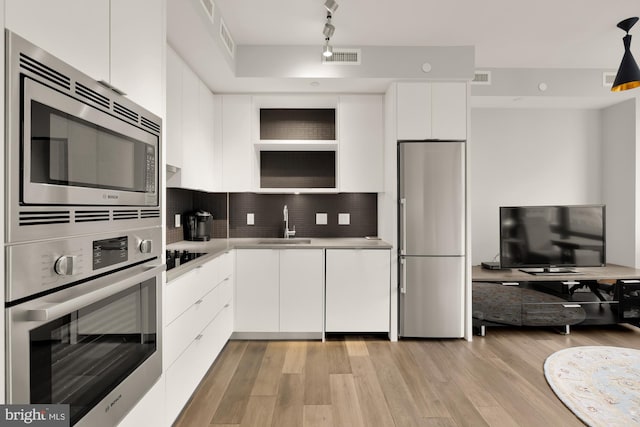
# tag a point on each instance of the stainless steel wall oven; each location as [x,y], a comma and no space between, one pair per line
[77,152]
[84,324]
[83,276]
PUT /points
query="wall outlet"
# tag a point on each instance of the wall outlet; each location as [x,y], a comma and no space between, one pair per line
[321,219]
[250,219]
[344,219]
[177,222]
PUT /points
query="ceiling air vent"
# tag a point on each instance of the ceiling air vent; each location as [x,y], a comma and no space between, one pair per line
[481,78]
[343,56]
[608,78]
[209,8]
[226,39]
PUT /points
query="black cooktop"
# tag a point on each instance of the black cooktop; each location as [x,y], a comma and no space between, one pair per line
[177,258]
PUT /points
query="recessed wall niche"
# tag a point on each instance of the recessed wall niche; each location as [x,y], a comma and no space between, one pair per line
[297,169]
[298,124]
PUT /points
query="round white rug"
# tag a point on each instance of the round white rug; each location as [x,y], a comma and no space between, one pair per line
[599,384]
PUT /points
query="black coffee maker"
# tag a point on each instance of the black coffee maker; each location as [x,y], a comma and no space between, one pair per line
[199,225]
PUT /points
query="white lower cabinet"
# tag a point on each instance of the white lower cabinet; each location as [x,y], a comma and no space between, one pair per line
[358,290]
[279,290]
[198,322]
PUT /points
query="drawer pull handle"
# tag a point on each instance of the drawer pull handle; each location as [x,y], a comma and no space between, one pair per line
[198,302]
[571,305]
[510,283]
[199,337]
[571,282]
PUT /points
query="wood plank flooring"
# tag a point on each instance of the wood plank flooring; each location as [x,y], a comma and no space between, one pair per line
[366,381]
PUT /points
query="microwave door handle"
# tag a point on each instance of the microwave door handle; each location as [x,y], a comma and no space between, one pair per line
[53,311]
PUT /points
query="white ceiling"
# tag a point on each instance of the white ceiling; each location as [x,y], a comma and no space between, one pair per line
[505,34]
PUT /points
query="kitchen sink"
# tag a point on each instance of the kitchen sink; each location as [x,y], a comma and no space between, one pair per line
[283,241]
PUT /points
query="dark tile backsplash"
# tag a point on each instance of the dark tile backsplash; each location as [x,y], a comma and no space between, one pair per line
[183,201]
[267,210]
[269,220]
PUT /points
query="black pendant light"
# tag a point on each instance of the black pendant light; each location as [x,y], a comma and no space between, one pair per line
[628,76]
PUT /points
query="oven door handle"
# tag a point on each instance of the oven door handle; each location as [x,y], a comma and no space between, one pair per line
[50,311]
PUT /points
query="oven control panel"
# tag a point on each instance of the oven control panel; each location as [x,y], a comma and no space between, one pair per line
[37,267]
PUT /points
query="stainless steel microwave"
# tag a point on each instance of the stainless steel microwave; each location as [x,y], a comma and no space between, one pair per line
[77,153]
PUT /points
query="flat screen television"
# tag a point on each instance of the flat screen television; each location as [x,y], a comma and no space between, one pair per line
[552,239]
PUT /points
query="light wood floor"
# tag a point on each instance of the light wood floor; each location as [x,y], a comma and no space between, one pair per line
[353,381]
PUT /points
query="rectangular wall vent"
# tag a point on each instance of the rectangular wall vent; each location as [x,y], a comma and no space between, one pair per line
[209,8]
[227,41]
[481,78]
[343,56]
[607,78]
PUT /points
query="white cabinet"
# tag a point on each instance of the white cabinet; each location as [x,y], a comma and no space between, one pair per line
[257,290]
[75,31]
[117,41]
[279,290]
[173,122]
[190,127]
[237,149]
[431,111]
[198,319]
[301,286]
[357,290]
[361,138]
[137,51]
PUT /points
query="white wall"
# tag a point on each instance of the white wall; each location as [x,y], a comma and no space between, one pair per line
[620,181]
[529,157]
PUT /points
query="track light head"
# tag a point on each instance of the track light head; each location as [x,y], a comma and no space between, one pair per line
[328,30]
[327,50]
[331,5]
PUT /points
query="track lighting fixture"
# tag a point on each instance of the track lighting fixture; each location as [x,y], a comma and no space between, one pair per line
[328,29]
[331,5]
[628,76]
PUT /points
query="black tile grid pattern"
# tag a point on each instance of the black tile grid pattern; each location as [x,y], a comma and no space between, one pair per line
[298,123]
[183,201]
[267,209]
[297,169]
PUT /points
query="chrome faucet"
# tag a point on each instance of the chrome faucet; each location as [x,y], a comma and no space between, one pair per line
[287,233]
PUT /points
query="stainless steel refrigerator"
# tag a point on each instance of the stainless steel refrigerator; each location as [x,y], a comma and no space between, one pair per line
[431,180]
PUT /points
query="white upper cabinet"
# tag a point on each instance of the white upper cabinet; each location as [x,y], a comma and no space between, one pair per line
[137,51]
[238,153]
[449,110]
[361,138]
[75,31]
[431,111]
[173,124]
[190,128]
[117,41]
[414,111]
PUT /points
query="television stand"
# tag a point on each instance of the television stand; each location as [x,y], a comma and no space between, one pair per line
[597,296]
[549,271]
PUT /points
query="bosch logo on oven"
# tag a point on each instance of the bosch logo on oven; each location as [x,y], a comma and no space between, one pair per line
[110,196]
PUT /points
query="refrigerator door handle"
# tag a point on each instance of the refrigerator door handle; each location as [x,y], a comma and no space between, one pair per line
[403,277]
[403,221]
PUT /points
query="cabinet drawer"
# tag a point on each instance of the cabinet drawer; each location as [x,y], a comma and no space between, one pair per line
[180,332]
[182,292]
[185,374]
[225,266]
[553,314]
